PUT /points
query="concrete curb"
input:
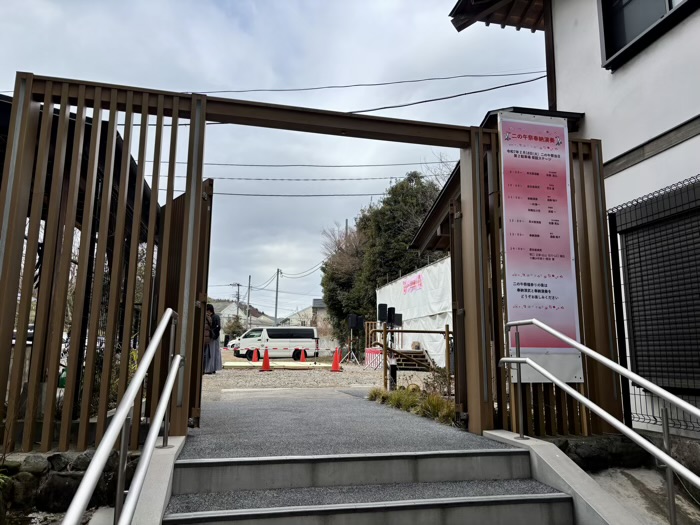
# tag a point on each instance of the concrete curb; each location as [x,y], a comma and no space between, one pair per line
[549,465]
[157,488]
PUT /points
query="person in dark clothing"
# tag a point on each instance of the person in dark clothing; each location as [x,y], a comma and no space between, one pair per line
[212,351]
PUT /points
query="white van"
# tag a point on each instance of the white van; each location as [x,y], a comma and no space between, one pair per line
[279,341]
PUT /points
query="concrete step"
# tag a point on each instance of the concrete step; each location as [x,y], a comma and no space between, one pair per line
[513,509]
[193,476]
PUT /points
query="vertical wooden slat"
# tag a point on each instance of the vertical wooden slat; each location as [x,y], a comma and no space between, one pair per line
[14,204]
[156,376]
[497,299]
[133,253]
[475,250]
[538,399]
[58,304]
[115,281]
[527,401]
[562,418]
[608,393]
[188,271]
[572,407]
[38,190]
[83,275]
[146,306]
[43,305]
[549,410]
[585,414]
[101,254]
[458,309]
[202,282]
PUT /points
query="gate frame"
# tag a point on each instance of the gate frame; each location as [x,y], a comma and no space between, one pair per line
[473,358]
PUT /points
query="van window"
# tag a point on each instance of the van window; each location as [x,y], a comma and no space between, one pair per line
[290,333]
[253,333]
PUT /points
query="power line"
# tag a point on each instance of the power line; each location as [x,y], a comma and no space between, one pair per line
[362,84]
[314,165]
[368,84]
[304,179]
[313,268]
[425,101]
[493,88]
[291,194]
[267,282]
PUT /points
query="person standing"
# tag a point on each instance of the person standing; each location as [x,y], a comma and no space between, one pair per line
[214,346]
[207,354]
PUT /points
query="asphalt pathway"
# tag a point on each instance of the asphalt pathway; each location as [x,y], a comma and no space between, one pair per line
[314,421]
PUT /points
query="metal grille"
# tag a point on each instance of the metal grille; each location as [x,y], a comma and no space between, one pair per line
[656,271]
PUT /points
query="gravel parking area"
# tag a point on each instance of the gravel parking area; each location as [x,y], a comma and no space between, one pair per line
[351,376]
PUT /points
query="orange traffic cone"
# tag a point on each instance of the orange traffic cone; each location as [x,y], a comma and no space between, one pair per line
[256,356]
[266,363]
[302,356]
[336,362]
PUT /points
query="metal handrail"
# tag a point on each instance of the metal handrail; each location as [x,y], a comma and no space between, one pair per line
[120,421]
[149,446]
[612,365]
[671,464]
[610,419]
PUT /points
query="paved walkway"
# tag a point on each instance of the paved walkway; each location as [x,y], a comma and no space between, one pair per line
[314,421]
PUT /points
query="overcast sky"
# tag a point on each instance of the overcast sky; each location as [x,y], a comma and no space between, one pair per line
[208,45]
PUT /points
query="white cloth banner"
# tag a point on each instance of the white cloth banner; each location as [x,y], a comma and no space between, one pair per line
[424,298]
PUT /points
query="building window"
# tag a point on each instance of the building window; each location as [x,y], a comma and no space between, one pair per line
[303,323]
[628,26]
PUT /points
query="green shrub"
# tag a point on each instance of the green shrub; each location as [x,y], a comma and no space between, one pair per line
[375,393]
[404,399]
[431,406]
[383,396]
[447,413]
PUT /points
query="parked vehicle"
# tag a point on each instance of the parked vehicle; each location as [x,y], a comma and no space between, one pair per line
[279,341]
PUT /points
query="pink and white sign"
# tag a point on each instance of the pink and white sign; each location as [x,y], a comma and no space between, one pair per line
[413,283]
[540,266]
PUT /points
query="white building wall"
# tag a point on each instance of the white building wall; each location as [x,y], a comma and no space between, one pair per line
[648,95]
[659,171]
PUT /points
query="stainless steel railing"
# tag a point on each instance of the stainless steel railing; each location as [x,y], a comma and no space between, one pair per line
[661,455]
[120,425]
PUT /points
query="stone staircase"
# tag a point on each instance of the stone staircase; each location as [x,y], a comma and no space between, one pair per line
[489,486]
[420,361]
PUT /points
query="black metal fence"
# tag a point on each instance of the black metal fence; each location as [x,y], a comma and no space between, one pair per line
[655,254]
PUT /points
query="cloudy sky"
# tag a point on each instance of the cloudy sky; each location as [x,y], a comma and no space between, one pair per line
[207,45]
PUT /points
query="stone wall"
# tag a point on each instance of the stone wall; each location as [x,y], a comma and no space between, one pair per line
[48,482]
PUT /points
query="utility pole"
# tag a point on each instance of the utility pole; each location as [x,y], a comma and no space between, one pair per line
[238,299]
[249,301]
[277,291]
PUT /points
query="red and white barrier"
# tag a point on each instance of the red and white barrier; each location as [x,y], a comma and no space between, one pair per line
[373,358]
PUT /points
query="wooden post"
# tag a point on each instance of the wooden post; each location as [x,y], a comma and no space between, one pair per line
[447,359]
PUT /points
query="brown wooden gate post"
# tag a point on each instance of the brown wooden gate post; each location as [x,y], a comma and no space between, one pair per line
[475,253]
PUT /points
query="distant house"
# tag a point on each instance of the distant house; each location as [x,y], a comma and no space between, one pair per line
[240,309]
[315,315]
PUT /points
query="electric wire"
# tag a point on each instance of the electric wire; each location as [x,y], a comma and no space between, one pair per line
[356,85]
[448,97]
[380,165]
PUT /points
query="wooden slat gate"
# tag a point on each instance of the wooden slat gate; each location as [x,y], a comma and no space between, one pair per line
[86,247]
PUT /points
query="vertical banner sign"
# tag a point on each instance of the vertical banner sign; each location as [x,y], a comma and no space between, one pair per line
[538,236]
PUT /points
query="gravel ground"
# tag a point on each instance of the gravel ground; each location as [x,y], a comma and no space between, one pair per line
[296,421]
[352,375]
[252,499]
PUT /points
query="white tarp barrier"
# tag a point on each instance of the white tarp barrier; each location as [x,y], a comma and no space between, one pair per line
[424,298]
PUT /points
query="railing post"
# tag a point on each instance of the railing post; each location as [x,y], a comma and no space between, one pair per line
[669,471]
[171,354]
[518,368]
[385,352]
[121,473]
